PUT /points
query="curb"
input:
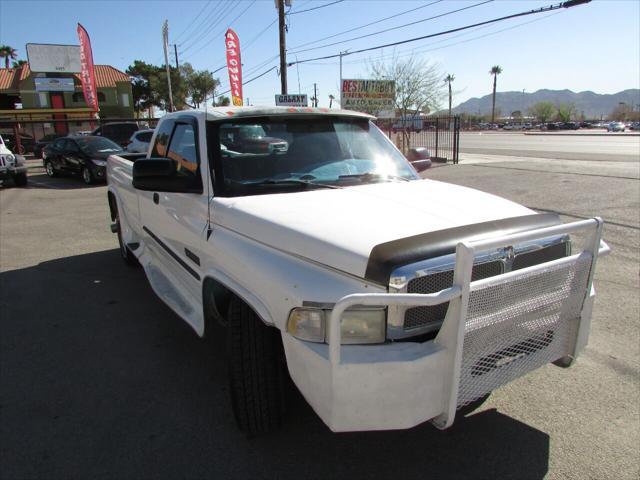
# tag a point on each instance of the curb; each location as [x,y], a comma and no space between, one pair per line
[595,134]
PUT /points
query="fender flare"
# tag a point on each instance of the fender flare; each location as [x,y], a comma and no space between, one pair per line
[242,293]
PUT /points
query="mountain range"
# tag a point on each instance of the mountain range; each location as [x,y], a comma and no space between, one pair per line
[593,105]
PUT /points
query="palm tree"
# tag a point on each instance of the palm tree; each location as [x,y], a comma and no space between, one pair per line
[495,71]
[448,79]
[18,64]
[8,53]
[331,99]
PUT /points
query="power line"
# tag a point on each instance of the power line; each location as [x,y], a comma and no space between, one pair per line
[366,25]
[222,31]
[397,27]
[413,51]
[254,78]
[210,28]
[198,29]
[315,8]
[567,4]
[193,21]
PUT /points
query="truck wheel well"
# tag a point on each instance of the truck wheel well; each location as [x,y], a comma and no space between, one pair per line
[216,297]
[112,205]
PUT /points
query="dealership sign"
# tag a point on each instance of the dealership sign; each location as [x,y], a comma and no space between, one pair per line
[234,65]
[54,84]
[53,58]
[87,72]
[371,96]
[292,100]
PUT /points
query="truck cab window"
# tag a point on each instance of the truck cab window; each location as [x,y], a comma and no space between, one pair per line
[183,150]
[162,139]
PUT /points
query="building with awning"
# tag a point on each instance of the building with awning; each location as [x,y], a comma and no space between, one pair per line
[58,98]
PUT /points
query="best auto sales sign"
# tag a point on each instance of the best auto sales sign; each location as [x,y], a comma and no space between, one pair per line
[234,65]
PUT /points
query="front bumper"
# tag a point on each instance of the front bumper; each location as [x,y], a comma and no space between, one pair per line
[495,330]
[12,171]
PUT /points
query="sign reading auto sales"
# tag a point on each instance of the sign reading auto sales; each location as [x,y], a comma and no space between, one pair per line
[87,72]
[370,96]
[234,65]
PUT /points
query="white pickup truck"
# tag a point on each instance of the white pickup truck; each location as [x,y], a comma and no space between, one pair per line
[391,299]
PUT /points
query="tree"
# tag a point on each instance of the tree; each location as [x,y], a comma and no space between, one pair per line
[566,111]
[543,111]
[448,79]
[418,83]
[198,84]
[331,99]
[8,53]
[495,71]
[140,73]
[223,101]
[624,112]
[18,64]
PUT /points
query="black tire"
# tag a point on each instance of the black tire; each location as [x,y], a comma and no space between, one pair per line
[87,175]
[256,370]
[48,167]
[20,180]
[127,256]
[471,407]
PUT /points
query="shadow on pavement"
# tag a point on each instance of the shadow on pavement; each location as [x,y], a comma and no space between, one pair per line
[101,380]
[59,182]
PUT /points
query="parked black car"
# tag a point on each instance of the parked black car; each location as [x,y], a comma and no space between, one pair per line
[43,142]
[119,132]
[84,155]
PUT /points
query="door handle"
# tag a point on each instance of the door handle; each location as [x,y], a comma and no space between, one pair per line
[156,198]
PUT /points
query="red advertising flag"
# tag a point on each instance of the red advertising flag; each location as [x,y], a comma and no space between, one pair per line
[87,72]
[234,65]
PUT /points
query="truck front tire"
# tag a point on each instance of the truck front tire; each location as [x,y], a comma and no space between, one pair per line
[256,370]
[20,180]
[127,256]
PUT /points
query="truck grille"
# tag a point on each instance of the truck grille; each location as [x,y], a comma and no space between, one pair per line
[420,317]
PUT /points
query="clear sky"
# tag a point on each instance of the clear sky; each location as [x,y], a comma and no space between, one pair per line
[589,47]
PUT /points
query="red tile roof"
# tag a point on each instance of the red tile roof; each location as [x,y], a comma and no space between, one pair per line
[106,76]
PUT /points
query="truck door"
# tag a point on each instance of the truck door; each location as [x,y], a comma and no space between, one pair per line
[175,224]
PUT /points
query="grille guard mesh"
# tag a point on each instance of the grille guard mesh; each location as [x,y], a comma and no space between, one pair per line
[520,322]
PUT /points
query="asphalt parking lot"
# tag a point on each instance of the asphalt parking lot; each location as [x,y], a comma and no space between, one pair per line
[99,379]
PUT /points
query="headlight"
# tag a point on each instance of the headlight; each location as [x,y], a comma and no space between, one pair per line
[358,326]
[99,163]
[10,158]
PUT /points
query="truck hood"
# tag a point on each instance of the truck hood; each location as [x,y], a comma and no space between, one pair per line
[340,227]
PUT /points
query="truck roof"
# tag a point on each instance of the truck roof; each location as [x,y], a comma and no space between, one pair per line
[218,113]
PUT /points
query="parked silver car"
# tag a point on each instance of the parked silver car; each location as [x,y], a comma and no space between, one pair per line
[616,127]
[139,141]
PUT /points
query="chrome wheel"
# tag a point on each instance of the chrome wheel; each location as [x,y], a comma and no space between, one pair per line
[49,169]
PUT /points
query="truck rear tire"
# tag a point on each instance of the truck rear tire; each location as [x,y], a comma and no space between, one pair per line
[256,370]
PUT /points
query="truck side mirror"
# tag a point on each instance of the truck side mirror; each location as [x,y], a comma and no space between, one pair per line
[160,174]
[420,158]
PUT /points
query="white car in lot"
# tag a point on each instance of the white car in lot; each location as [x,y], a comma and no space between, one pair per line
[390,299]
[616,127]
[139,141]
[12,166]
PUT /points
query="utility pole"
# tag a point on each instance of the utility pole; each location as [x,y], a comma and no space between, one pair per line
[175,50]
[165,46]
[283,48]
[315,95]
[341,54]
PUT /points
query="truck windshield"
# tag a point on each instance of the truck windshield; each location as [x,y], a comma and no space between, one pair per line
[300,153]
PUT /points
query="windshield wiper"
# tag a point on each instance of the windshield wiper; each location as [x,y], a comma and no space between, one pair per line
[372,176]
[291,181]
